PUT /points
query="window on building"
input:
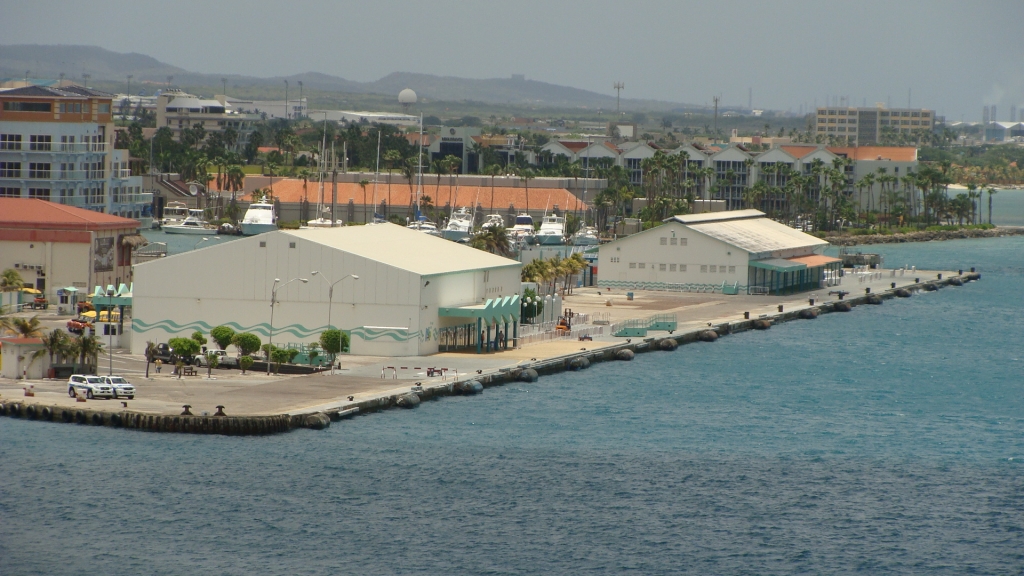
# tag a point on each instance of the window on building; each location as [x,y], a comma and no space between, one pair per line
[722,268]
[39,170]
[41,193]
[671,267]
[661,267]
[10,169]
[664,241]
[732,269]
[885,114]
[10,141]
[632,265]
[703,268]
[104,108]
[682,241]
[28,107]
[40,142]
[643,265]
[674,241]
[10,192]
[714,269]
[682,267]
[263,244]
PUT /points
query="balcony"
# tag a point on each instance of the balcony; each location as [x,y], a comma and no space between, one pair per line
[135,199]
[61,148]
[122,174]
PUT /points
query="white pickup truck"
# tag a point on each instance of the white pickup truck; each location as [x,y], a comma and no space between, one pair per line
[223,359]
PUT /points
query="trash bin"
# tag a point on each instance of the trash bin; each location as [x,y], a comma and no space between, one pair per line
[629,295]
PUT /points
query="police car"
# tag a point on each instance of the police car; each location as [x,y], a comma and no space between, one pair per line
[89,386]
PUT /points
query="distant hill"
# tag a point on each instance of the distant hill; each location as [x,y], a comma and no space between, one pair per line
[47,61]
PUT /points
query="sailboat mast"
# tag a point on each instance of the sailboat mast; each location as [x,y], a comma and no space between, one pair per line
[419,168]
[376,175]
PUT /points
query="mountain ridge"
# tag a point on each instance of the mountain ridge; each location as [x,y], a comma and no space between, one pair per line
[49,61]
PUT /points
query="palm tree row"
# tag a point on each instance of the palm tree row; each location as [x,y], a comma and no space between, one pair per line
[547,271]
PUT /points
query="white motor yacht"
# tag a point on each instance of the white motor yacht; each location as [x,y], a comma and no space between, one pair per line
[174,213]
[552,231]
[259,218]
[493,221]
[425,226]
[194,224]
[586,237]
[459,225]
[522,230]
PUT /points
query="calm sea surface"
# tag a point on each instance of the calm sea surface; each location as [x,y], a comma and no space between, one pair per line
[889,440]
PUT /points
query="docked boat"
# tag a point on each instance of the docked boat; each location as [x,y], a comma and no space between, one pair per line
[493,221]
[259,218]
[324,221]
[552,231]
[586,237]
[460,225]
[174,213]
[522,230]
[425,226]
[194,224]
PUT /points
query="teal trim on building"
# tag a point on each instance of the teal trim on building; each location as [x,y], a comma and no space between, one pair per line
[493,311]
[723,287]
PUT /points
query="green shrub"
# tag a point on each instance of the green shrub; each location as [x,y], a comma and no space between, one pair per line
[222,335]
[199,338]
[183,347]
[334,342]
[246,342]
[245,362]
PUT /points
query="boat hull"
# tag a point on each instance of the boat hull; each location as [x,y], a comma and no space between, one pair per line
[455,235]
[191,230]
[548,240]
[250,229]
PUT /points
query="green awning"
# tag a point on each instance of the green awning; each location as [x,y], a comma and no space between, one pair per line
[778,265]
[494,311]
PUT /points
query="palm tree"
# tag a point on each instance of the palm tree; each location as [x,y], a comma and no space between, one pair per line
[56,343]
[391,158]
[527,174]
[150,354]
[11,281]
[492,170]
[990,190]
[23,327]
[494,239]
[363,184]
[87,348]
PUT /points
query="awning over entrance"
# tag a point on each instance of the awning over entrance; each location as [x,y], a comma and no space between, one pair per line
[778,265]
[122,297]
[494,311]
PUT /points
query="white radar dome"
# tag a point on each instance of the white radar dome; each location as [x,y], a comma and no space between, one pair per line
[407,96]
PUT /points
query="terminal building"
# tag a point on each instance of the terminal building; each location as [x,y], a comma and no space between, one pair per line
[415,294]
[738,252]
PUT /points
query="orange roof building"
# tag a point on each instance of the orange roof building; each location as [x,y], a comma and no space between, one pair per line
[55,246]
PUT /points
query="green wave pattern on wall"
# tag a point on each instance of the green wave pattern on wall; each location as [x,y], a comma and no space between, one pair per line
[397,335]
[172,327]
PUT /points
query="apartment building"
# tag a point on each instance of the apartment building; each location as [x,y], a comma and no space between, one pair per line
[57,144]
[866,126]
[180,110]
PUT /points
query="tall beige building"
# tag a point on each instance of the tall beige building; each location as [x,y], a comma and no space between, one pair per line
[179,110]
[865,126]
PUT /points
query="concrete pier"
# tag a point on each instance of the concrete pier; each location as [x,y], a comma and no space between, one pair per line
[257,404]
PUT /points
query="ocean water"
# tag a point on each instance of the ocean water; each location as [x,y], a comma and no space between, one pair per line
[888,440]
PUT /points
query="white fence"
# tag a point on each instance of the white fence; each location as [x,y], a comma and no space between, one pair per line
[573,334]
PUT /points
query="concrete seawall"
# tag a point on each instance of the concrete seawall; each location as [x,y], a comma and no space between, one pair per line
[528,371]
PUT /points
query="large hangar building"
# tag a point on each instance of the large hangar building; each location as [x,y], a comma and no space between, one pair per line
[415,294]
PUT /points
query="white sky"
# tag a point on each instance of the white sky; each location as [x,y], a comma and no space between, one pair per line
[955,55]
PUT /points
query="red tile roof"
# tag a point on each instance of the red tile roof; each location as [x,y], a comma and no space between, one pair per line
[21,341]
[572,145]
[892,153]
[799,151]
[36,214]
[289,190]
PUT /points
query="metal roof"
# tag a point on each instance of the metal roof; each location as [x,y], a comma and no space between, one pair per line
[778,265]
[758,235]
[402,248]
[716,216]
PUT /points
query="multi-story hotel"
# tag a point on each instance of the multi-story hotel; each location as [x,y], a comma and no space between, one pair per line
[179,110]
[57,144]
[865,126]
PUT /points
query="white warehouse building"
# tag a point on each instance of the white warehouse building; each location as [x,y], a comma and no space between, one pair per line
[415,294]
[731,252]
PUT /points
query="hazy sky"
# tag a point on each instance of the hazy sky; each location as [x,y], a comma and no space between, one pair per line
[954,55]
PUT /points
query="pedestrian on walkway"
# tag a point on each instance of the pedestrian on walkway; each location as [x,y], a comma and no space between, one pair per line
[159,363]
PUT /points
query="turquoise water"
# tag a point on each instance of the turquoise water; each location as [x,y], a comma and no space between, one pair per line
[884,441]
[1007,208]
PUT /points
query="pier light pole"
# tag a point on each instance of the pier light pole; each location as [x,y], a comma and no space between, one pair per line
[330,292]
[110,333]
[273,300]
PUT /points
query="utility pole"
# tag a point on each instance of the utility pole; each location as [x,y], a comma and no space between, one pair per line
[300,94]
[750,98]
[285,99]
[618,90]
[224,82]
[86,78]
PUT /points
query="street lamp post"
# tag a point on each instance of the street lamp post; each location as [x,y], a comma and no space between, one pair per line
[110,333]
[273,300]
[330,292]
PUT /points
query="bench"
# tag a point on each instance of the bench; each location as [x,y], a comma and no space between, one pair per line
[188,371]
[586,337]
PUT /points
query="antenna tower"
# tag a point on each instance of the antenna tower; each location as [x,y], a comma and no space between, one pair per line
[618,90]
